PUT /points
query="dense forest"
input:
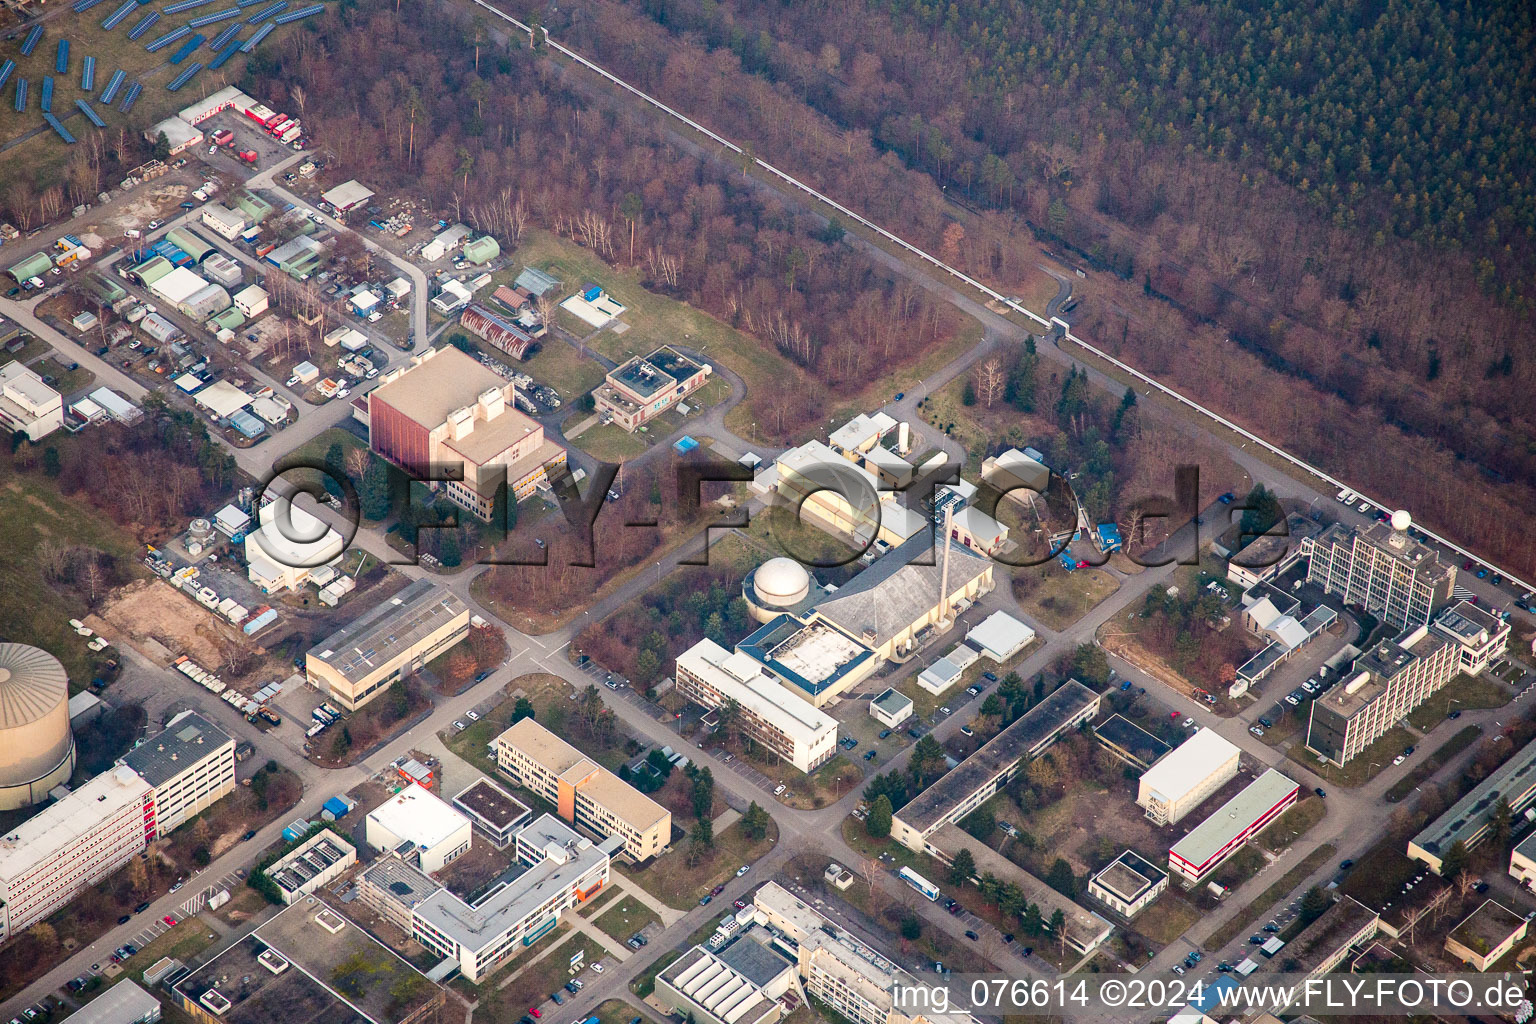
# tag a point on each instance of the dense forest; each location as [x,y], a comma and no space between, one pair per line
[435,104]
[1374,289]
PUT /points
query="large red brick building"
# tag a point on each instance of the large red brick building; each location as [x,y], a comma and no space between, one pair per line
[446,410]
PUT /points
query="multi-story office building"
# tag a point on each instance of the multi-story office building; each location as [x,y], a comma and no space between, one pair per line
[414,818]
[836,967]
[1384,684]
[394,638]
[49,858]
[561,870]
[584,792]
[643,388]
[1195,769]
[190,765]
[769,713]
[1482,637]
[1219,836]
[1383,569]
[986,771]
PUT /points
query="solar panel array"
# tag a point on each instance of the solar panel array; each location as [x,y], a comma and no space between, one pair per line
[267,12]
[215,17]
[261,33]
[170,37]
[21,94]
[81,6]
[185,77]
[133,94]
[30,43]
[113,84]
[61,57]
[45,103]
[88,74]
[143,25]
[225,35]
[6,71]
[185,49]
[117,17]
[90,115]
[185,5]
[53,123]
[302,12]
[230,49]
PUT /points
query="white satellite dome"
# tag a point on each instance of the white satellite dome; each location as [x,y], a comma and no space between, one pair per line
[1401,520]
[781,582]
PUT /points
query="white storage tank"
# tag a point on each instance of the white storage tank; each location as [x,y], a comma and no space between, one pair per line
[37,750]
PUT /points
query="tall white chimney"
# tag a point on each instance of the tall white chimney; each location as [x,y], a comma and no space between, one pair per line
[944,573]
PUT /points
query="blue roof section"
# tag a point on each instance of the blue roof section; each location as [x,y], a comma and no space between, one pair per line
[1109,536]
[337,806]
[761,643]
[685,444]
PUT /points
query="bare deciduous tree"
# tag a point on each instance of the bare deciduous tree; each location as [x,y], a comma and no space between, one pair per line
[990,381]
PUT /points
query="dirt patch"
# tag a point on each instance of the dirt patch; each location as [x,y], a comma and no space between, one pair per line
[153,610]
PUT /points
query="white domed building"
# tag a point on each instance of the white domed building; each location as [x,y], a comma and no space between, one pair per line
[779,586]
[37,750]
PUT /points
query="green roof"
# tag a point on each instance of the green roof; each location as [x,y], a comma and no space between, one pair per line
[32,266]
[231,318]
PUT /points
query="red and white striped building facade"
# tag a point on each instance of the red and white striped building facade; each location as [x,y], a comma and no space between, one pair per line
[76,842]
[1219,836]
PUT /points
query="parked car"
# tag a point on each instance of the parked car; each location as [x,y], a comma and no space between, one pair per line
[990,677]
[1319,791]
[971,935]
[170,922]
[743,870]
[251,834]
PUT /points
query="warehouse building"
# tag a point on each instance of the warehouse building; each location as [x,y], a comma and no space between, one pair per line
[497,330]
[190,764]
[349,195]
[1128,884]
[251,301]
[27,404]
[47,860]
[1383,568]
[179,135]
[1218,837]
[583,792]
[1466,821]
[123,1003]
[204,303]
[1379,690]
[561,871]
[391,640]
[426,831]
[770,714]
[447,410]
[177,286]
[298,257]
[969,785]
[1179,782]
[1000,636]
[644,387]
[222,270]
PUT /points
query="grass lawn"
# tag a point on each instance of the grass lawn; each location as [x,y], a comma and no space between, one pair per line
[181,942]
[65,380]
[1062,597]
[608,442]
[1168,918]
[616,1011]
[531,985]
[1245,918]
[1364,766]
[32,511]
[671,879]
[626,917]
[312,452]
[654,320]
[830,784]
[1464,693]
[542,689]
[560,366]
[603,899]
[1293,824]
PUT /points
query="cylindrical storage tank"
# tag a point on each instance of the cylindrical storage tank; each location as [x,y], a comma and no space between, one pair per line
[37,750]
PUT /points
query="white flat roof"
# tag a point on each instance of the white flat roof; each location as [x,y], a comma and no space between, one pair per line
[1000,632]
[860,429]
[347,194]
[418,815]
[740,677]
[221,399]
[178,286]
[299,539]
[1188,764]
[47,834]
